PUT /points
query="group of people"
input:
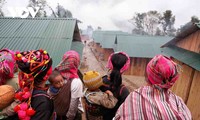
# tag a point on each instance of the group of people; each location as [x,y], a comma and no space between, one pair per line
[61,100]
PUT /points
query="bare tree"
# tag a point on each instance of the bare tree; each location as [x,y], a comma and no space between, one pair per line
[62,12]
[167,21]
[195,19]
[1,5]
[145,23]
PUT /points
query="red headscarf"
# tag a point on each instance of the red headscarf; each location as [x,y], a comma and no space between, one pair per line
[7,63]
[68,67]
[162,71]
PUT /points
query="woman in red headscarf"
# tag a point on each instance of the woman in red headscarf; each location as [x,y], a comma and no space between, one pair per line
[35,67]
[155,101]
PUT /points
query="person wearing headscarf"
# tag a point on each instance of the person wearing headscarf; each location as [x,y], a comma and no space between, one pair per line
[35,67]
[8,82]
[67,97]
[8,68]
[155,101]
[117,64]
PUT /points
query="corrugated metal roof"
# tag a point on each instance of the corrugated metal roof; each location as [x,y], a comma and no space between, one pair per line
[52,34]
[78,47]
[192,59]
[99,36]
[108,40]
[141,46]
[186,30]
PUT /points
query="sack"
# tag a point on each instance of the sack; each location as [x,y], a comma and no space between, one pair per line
[7,94]
[91,107]
[96,100]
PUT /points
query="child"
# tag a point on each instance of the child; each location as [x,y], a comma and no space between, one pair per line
[56,81]
[95,99]
[67,88]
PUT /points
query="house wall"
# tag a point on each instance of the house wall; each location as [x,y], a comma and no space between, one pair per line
[106,53]
[97,49]
[137,66]
[191,42]
[193,102]
[187,87]
[183,84]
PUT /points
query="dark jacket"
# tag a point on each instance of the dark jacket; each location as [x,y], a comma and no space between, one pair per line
[42,104]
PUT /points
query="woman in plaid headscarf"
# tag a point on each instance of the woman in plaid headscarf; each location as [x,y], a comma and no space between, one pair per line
[155,101]
[35,67]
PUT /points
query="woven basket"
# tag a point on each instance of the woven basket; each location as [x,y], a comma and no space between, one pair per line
[7,94]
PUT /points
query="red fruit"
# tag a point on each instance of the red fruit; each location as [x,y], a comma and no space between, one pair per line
[30,112]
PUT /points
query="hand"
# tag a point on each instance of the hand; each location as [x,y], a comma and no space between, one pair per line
[109,92]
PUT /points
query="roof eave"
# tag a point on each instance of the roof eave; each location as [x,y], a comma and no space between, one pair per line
[188,29]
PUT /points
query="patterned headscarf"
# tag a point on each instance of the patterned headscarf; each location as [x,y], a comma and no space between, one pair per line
[68,67]
[7,63]
[162,71]
[35,66]
[126,65]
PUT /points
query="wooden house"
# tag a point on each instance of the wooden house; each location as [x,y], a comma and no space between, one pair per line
[185,50]
[105,43]
[140,49]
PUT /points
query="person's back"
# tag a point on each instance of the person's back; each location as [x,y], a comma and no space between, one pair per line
[35,67]
[155,101]
[117,63]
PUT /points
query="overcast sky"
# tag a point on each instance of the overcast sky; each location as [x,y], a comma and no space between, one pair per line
[114,14]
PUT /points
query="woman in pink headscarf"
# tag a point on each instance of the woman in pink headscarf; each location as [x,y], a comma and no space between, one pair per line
[7,67]
[155,101]
[117,63]
[66,98]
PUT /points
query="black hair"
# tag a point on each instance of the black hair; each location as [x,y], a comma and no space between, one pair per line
[118,61]
[39,78]
[54,74]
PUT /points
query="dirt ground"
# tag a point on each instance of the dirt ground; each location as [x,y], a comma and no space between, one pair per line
[90,62]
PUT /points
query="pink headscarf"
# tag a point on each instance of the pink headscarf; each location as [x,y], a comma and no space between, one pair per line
[162,69]
[68,67]
[7,63]
[126,65]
